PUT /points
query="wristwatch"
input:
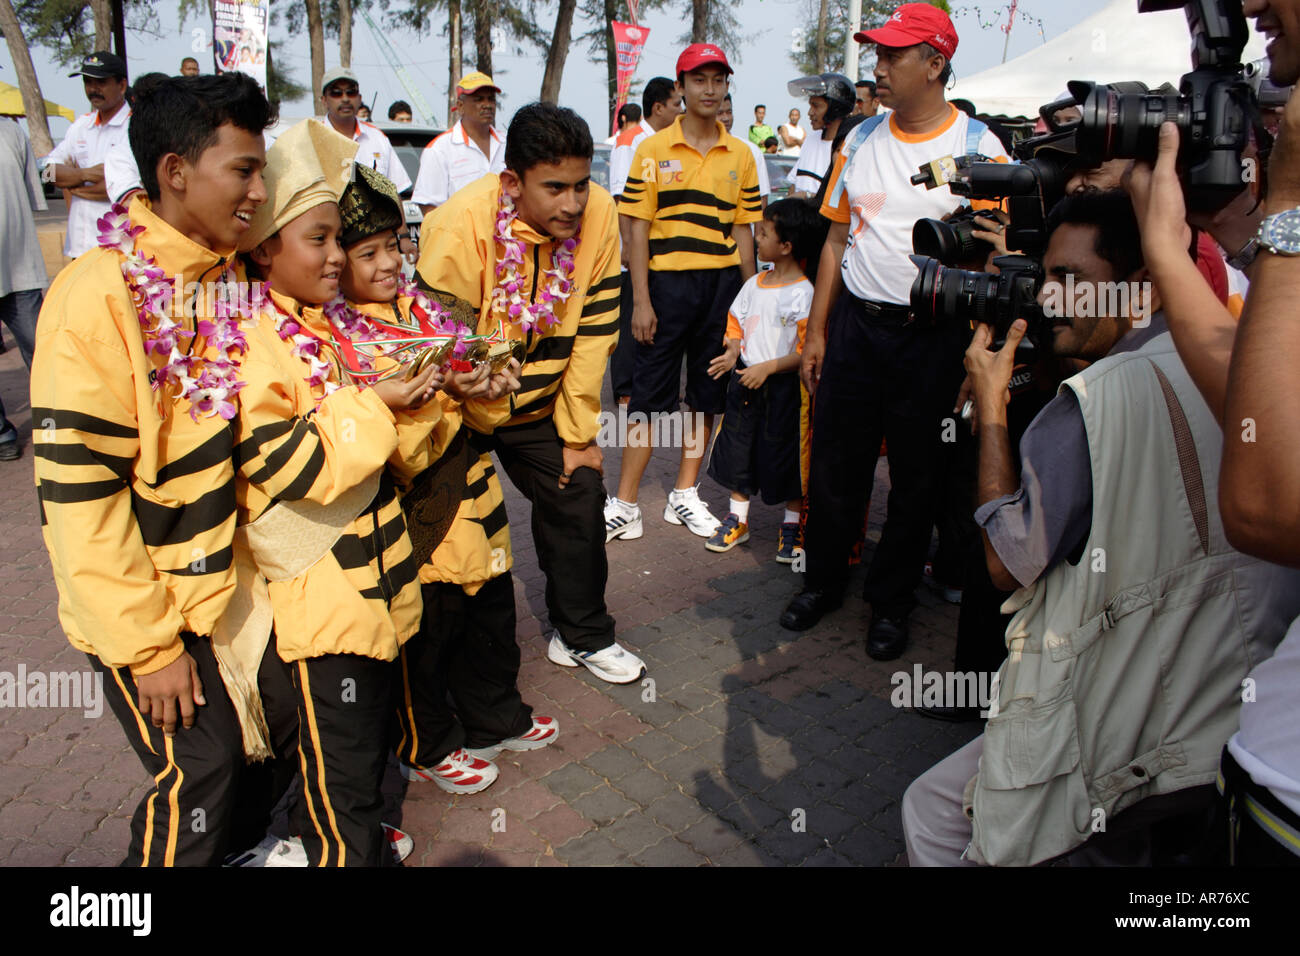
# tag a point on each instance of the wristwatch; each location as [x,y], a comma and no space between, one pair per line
[1280,233]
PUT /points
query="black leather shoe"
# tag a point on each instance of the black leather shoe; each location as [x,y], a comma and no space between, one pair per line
[887,638]
[953,715]
[806,609]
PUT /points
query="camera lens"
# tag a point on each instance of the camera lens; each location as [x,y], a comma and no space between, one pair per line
[949,242]
[1122,120]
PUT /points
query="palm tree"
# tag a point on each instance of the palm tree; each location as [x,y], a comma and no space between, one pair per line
[38,124]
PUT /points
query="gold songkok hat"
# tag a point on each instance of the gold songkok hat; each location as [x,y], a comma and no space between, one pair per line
[370,205]
[308,165]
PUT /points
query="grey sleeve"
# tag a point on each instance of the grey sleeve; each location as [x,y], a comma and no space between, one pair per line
[1049,517]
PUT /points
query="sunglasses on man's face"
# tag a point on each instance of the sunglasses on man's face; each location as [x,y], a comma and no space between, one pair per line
[335,92]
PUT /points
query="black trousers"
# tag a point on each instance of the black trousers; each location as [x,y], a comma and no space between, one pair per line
[622,363]
[568,529]
[879,380]
[344,709]
[206,802]
[466,648]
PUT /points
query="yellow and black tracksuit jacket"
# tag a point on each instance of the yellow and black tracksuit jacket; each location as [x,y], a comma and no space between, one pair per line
[477,545]
[137,497]
[363,597]
[565,366]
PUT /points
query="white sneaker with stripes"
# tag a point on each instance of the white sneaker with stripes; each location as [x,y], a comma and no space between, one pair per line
[459,772]
[685,507]
[622,520]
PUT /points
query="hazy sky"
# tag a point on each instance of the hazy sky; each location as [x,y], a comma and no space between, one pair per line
[762,66]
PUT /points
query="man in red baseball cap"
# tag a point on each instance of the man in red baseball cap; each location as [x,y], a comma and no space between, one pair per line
[875,372]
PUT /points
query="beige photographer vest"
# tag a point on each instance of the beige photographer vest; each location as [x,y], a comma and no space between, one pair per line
[1125,672]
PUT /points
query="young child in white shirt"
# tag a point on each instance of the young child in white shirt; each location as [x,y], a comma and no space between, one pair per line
[757,449]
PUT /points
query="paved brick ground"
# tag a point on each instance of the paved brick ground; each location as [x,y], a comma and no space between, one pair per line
[747,732]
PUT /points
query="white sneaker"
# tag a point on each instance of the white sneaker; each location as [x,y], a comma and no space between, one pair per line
[685,507]
[459,772]
[620,522]
[543,732]
[399,842]
[615,663]
[272,851]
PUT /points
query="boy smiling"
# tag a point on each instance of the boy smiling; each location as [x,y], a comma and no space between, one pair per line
[133,458]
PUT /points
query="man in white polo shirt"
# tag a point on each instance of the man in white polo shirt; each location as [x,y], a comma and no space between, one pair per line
[341,95]
[469,150]
[874,370]
[77,163]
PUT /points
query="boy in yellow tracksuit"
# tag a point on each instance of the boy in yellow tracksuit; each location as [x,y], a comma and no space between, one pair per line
[319,513]
[467,645]
[134,463]
[533,251]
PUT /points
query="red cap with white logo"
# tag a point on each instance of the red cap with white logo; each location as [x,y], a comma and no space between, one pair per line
[914,23]
[701,54]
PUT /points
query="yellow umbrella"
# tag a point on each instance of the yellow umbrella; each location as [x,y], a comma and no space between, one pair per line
[11,104]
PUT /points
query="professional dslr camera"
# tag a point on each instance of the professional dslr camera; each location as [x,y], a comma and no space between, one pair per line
[1215,107]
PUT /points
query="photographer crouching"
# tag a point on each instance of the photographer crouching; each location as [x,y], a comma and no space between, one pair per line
[1135,620]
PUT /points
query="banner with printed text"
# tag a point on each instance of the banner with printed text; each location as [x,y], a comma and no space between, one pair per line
[239,37]
[629,41]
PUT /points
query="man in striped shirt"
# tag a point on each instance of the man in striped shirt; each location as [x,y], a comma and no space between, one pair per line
[691,197]
[565,311]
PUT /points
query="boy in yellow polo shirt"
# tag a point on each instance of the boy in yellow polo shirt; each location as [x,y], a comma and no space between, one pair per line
[534,252]
[691,197]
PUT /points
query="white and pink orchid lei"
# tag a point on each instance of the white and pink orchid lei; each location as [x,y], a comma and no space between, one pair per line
[509,298]
[208,382]
[306,347]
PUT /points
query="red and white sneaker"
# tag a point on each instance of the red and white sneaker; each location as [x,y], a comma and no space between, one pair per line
[543,732]
[399,842]
[459,772]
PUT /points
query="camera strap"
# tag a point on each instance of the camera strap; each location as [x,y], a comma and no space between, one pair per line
[975,131]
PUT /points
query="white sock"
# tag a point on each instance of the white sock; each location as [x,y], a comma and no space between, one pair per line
[627,507]
[681,491]
[791,517]
[740,509]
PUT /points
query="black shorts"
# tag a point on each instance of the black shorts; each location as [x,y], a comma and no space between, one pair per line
[757,449]
[691,309]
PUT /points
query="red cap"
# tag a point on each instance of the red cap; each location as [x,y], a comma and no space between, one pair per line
[701,54]
[914,23]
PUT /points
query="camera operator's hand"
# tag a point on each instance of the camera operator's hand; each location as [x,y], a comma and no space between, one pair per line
[1284,162]
[990,372]
[993,229]
[1158,202]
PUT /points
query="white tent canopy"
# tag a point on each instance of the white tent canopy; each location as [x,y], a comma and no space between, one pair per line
[1116,43]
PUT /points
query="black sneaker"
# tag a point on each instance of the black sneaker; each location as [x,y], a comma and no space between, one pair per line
[10,450]
[787,543]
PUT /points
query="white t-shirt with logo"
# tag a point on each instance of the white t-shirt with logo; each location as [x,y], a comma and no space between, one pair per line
[881,205]
[770,318]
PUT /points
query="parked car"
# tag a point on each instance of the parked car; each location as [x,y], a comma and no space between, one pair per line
[778,168]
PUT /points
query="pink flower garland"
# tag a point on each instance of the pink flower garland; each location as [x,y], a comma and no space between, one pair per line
[307,348]
[508,298]
[209,384]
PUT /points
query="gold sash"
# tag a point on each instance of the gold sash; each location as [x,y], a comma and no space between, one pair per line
[283,543]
